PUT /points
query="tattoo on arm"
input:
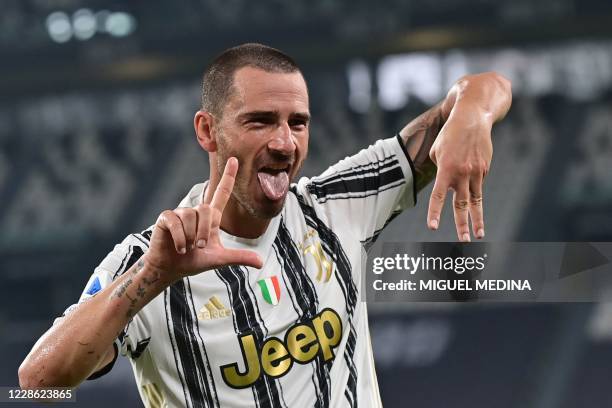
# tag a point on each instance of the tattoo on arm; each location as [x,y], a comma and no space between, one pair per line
[141,291]
[130,313]
[120,291]
[149,281]
[418,136]
[139,265]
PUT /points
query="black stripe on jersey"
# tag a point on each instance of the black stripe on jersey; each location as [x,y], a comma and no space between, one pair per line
[411,163]
[121,269]
[290,261]
[239,314]
[175,353]
[367,243]
[142,239]
[265,390]
[372,167]
[347,196]
[331,245]
[145,236]
[141,346]
[147,233]
[199,393]
[134,254]
[306,301]
[207,370]
[360,186]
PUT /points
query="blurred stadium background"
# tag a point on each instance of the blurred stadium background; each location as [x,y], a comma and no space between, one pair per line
[96,137]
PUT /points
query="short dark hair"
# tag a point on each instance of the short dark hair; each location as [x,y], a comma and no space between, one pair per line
[218,79]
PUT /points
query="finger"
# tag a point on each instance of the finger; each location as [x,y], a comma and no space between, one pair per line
[476,208]
[229,256]
[436,202]
[226,185]
[204,220]
[461,206]
[170,222]
[206,196]
[189,219]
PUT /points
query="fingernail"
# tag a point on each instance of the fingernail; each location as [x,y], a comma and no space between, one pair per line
[201,243]
[434,224]
[182,251]
[466,237]
[480,233]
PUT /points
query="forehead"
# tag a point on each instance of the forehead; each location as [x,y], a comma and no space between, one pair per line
[255,89]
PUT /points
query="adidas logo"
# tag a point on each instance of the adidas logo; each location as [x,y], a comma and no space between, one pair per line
[214,309]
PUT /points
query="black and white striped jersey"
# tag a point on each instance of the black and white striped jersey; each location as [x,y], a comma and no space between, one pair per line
[293,334]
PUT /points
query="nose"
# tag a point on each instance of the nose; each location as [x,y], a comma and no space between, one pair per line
[282,140]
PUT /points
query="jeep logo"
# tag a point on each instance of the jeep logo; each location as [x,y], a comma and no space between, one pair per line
[302,344]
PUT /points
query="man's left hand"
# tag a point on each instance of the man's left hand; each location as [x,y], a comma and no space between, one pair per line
[462,153]
[453,142]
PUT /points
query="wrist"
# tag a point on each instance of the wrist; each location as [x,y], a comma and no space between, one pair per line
[136,288]
[471,116]
[156,273]
[487,95]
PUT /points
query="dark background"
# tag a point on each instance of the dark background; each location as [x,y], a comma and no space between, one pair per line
[96,138]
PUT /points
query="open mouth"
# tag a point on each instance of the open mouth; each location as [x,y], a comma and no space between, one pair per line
[274,181]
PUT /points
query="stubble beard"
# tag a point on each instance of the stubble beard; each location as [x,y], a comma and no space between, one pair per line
[241,186]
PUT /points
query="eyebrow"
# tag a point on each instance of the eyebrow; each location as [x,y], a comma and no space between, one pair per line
[301,116]
[244,117]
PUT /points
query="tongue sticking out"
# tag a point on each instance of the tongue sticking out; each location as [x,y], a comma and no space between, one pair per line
[274,186]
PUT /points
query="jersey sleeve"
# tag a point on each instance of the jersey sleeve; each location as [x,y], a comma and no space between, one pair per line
[134,338]
[364,192]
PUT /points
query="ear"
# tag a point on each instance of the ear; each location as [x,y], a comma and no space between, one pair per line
[203,125]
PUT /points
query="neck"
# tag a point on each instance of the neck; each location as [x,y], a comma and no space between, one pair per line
[239,222]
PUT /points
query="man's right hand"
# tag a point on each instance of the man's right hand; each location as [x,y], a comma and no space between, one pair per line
[186,241]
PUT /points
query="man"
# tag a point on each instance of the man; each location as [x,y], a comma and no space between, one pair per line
[247,294]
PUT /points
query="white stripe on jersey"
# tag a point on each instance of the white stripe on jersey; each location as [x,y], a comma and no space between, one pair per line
[212,340]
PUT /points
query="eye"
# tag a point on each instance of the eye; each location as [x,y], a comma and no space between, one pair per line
[259,122]
[298,124]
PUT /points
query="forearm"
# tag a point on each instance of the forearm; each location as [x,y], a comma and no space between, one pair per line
[419,136]
[74,347]
[474,101]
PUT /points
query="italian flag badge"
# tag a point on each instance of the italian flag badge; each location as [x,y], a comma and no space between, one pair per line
[270,289]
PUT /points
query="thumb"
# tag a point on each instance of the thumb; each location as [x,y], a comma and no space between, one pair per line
[240,257]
